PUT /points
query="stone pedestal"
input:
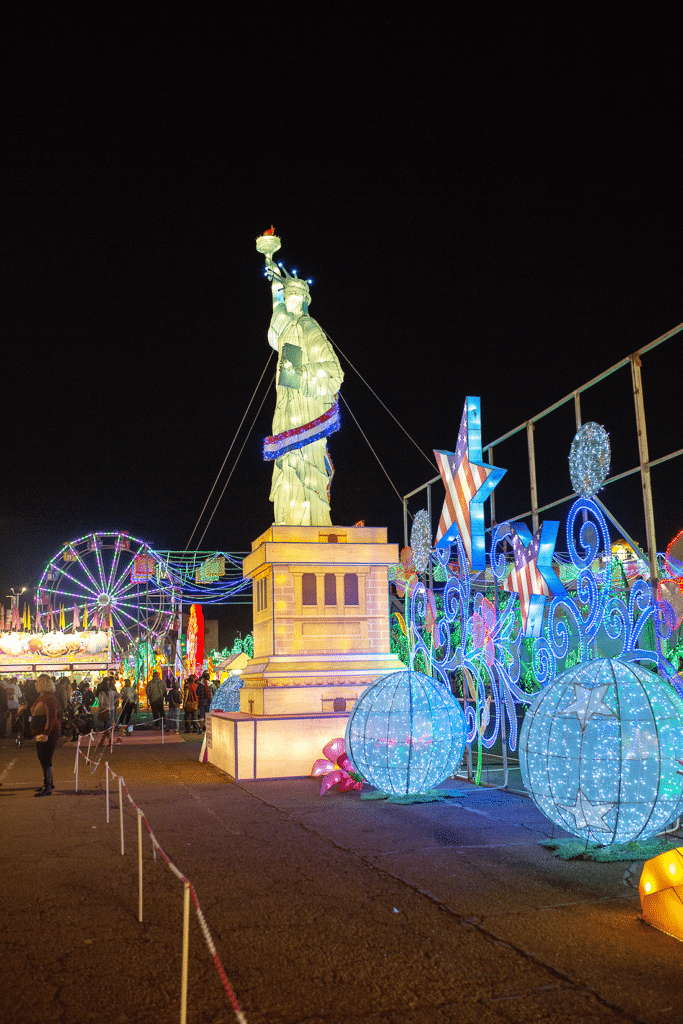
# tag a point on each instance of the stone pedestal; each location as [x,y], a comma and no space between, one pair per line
[321,636]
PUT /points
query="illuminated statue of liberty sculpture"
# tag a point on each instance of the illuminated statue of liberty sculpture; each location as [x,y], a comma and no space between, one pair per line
[306,410]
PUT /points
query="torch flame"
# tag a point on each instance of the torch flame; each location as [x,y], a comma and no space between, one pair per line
[270,231]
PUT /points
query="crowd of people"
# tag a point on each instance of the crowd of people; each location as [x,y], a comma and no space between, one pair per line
[193,700]
[47,708]
[80,708]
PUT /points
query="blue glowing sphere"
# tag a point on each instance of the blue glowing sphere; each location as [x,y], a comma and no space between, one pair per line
[406,733]
[227,696]
[598,750]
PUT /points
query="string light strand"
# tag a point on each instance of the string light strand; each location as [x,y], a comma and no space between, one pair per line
[400,425]
[270,355]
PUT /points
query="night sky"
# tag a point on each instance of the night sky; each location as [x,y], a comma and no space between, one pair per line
[488,208]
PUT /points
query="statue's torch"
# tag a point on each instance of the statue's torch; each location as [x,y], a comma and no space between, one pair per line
[268,244]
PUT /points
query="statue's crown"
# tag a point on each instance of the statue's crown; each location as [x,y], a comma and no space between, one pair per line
[293,284]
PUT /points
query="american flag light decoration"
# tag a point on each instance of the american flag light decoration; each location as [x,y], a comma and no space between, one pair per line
[469,482]
[533,576]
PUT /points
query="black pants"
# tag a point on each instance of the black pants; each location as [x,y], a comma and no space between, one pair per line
[157,709]
[45,751]
[126,713]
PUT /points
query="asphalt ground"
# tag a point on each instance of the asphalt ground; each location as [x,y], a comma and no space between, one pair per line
[324,910]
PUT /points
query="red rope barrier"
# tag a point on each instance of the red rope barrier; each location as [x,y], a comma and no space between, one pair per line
[198,910]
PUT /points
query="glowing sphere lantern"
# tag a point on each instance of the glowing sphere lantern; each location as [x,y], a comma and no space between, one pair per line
[406,733]
[598,751]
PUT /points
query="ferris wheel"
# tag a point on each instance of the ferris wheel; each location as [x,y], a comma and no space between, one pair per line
[111,581]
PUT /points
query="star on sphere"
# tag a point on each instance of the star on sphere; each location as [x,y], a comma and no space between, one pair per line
[588,815]
[588,702]
[533,576]
[468,482]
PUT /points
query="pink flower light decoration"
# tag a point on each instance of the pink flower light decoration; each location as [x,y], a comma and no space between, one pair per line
[336,768]
[431,624]
[483,625]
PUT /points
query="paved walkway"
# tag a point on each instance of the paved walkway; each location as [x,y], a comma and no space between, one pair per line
[324,910]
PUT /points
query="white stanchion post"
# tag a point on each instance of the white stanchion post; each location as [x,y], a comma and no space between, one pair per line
[89,743]
[121,810]
[139,865]
[186,948]
[78,747]
[106,772]
[162,727]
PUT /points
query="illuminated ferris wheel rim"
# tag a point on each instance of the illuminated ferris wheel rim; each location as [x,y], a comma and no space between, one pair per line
[100,573]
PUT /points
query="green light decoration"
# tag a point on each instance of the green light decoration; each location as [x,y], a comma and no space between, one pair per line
[589,459]
[241,645]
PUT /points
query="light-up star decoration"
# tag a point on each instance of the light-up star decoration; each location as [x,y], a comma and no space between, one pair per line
[588,702]
[587,815]
[469,482]
[533,576]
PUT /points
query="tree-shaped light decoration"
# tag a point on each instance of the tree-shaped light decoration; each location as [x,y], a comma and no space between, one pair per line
[589,459]
[598,751]
[406,733]
[421,541]
[227,696]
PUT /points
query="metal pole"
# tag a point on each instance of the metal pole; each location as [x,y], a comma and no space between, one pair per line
[121,811]
[106,772]
[405,522]
[139,865]
[644,468]
[493,494]
[429,514]
[532,473]
[186,947]
[78,747]
[503,739]
[577,409]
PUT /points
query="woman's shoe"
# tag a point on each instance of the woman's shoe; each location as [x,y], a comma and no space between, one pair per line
[44,792]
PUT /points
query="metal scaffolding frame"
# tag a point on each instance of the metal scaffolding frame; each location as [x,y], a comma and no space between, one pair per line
[644,466]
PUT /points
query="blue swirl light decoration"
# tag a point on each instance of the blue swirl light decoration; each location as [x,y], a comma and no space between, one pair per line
[572,621]
[596,606]
[500,679]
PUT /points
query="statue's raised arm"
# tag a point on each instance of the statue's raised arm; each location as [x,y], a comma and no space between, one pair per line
[307,381]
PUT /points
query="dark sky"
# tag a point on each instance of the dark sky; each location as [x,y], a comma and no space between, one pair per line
[487,208]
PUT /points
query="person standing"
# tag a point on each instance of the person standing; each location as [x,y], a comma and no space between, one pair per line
[191,705]
[103,705]
[113,699]
[156,691]
[88,695]
[128,705]
[63,693]
[3,710]
[12,690]
[175,702]
[204,697]
[44,718]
